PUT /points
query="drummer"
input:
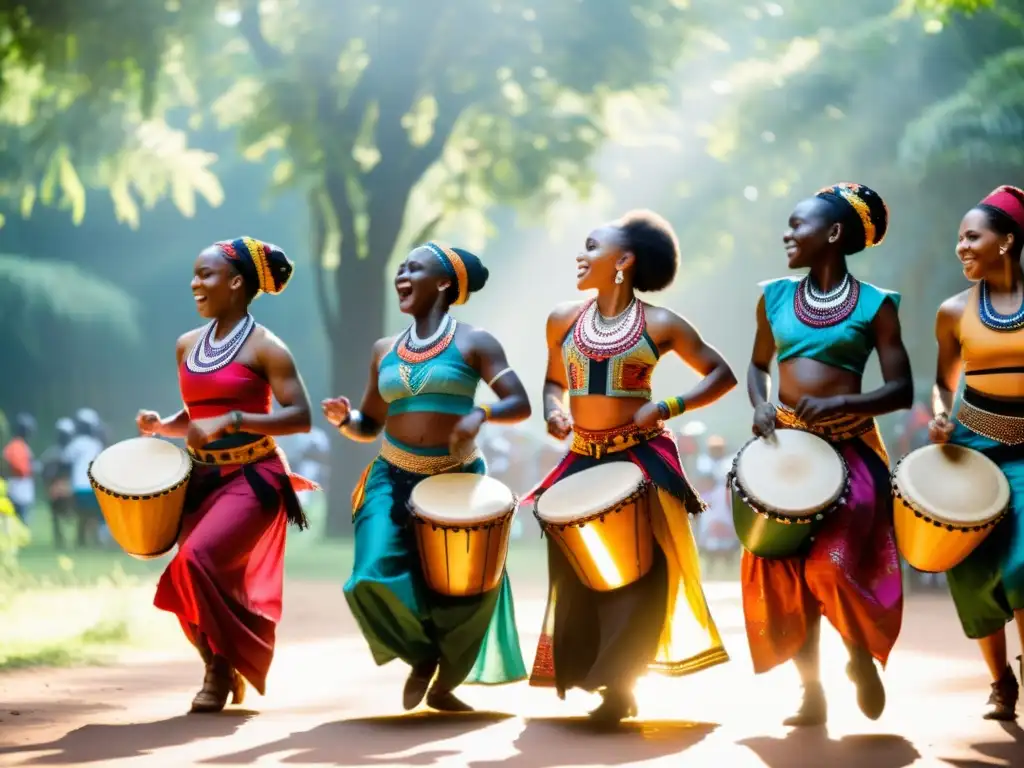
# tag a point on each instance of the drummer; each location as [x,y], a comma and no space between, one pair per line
[981,335]
[602,352]
[420,394]
[225,582]
[821,329]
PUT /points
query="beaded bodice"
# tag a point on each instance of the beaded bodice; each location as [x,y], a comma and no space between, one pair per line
[846,343]
[614,357]
[993,360]
[434,378]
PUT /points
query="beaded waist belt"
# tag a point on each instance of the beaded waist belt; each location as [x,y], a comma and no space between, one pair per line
[997,420]
[242,454]
[419,464]
[598,444]
[835,429]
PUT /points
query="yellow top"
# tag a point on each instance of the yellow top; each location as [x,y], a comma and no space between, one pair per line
[993,360]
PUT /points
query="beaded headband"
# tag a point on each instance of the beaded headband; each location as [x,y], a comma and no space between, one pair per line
[455,267]
[850,192]
[1003,199]
[255,252]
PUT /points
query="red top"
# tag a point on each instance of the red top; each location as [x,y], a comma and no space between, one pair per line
[232,388]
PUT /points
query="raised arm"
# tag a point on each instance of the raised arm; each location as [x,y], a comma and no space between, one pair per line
[717,378]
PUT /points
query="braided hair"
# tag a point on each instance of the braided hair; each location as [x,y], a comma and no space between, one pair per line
[860,211]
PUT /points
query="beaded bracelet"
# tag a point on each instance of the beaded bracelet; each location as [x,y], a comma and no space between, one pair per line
[672,407]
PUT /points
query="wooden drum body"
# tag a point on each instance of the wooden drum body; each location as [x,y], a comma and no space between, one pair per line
[140,485]
[946,501]
[782,488]
[462,523]
[601,520]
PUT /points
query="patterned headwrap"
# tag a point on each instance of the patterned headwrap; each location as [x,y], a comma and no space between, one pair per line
[1008,200]
[465,269]
[264,267]
[863,209]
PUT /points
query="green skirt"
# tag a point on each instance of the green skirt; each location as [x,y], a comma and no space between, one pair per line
[473,639]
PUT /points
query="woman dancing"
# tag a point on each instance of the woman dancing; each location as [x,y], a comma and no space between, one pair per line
[602,352]
[981,334]
[822,329]
[421,395]
[226,579]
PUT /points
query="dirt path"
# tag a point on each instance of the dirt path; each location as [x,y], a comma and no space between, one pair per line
[329,705]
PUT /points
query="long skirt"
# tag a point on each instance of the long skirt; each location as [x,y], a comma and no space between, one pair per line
[226,580]
[851,572]
[473,639]
[661,623]
[988,586]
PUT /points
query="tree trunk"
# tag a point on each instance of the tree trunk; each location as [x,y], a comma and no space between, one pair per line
[360,322]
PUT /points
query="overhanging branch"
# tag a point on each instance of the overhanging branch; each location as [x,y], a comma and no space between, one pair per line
[266,55]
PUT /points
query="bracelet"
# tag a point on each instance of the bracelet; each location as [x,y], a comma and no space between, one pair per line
[498,375]
[236,421]
[672,407]
[487,411]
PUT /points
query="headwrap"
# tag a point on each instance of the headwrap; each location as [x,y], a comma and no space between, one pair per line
[65,426]
[264,267]
[862,207]
[465,268]
[1008,200]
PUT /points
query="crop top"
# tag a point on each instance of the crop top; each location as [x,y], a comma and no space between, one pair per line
[994,360]
[442,384]
[627,374]
[846,345]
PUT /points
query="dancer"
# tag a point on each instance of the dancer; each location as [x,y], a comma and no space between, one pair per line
[602,352]
[822,329]
[420,393]
[226,579]
[981,335]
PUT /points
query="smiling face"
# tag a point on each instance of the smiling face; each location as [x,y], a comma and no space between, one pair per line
[421,280]
[602,256]
[980,248]
[216,285]
[810,232]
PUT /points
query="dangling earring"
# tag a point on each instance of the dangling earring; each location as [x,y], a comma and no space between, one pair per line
[619,277]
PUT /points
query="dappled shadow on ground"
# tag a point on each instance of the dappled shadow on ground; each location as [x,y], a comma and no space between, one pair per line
[1008,752]
[553,742]
[100,743]
[368,740]
[812,748]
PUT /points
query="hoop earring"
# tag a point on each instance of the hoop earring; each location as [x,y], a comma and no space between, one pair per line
[619,277]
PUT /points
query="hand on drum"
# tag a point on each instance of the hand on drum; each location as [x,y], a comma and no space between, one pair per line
[559,425]
[336,410]
[465,431]
[940,428]
[812,409]
[764,420]
[202,432]
[148,423]
[647,416]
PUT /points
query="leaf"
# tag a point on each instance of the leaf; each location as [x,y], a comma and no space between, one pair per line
[74,192]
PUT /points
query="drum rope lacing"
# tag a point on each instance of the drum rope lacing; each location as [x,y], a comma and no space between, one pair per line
[758,507]
[209,355]
[822,309]
[918,513]
[484,525]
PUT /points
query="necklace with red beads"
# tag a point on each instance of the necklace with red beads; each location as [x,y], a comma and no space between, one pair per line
[412,349]
[823,309]
[600,338]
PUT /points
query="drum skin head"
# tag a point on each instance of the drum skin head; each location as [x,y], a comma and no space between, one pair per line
[588,492]
[953,484]
[792,472]
[140,466]
[461,498]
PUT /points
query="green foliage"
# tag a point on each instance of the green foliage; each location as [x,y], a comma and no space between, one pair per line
[82,108]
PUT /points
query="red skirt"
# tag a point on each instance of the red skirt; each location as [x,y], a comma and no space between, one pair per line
[227,577]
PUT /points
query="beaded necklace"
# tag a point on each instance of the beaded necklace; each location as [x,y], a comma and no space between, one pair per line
[412,349]
[600,338]
[992,318]
[822,309]
[209,355]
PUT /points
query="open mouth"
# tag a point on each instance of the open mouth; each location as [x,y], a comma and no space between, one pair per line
[581,270]
[199,299]
[404,290]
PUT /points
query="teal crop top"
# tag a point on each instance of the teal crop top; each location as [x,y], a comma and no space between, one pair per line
[847,345]
[442,384]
